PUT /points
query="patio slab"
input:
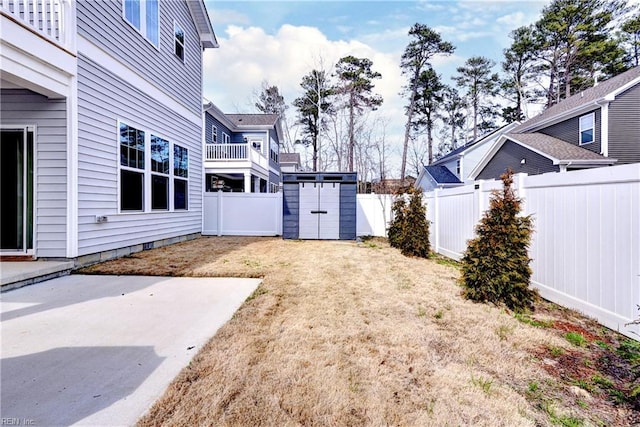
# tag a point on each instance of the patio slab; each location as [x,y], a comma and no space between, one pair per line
[99,350]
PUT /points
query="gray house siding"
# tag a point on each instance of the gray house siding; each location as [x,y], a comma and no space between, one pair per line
[273,138]
[569,131]
[624,127]
[23,107]
[510,155]
[211,121]
[103,23]
[103,98]
[274,178]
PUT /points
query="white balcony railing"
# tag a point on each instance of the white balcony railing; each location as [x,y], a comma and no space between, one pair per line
[53,19]
[235,152]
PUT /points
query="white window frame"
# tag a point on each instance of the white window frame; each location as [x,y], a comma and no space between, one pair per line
[226,139]
[147,172]
[591,116]
[161,174]
[256,144]
[175,177]
[214,134]
[143,21]
[183,43]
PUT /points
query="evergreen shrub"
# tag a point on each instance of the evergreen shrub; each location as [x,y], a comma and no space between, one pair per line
[409,229]
[495,266]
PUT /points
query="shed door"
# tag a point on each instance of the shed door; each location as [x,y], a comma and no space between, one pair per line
[319,210]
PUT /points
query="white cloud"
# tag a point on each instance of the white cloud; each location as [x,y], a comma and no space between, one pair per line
[514,20]
[227,16]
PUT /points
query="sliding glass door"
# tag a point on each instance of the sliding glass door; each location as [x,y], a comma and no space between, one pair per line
[16,190]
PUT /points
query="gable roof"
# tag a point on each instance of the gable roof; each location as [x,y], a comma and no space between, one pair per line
[242,120]
[203,23]
[474,143]
[604,91]
[441,174]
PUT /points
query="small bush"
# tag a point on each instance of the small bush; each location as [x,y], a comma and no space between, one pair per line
[495,266]
[409,229]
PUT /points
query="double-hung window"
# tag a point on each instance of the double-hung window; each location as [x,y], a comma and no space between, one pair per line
[159,173]
[181,175]
[214,134]
[144,16]
[587,125]
[132,167]
[178,34]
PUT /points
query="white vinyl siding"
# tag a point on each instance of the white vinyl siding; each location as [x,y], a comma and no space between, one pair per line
[23,107]
[103,99]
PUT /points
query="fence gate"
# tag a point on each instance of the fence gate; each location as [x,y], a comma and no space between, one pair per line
[319,206]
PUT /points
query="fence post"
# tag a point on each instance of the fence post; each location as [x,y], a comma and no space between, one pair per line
[479,193]
[219,216]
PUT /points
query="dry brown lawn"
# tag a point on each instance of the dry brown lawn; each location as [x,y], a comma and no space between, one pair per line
[346,334]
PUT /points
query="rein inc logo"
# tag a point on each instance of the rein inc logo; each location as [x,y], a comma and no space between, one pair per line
[17,422]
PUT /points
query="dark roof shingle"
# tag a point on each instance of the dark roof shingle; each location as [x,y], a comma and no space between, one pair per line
[442,175]
[554,147]
[252,119]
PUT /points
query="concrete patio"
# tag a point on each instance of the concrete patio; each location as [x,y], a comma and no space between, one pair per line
[16,274]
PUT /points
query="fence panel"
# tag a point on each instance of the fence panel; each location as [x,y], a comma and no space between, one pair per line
[242,214]
[373,214]
[585,248]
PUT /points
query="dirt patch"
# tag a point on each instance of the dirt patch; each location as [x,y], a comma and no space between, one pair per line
[346,333]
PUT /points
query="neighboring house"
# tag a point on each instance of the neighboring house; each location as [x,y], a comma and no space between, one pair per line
[436,176]
[463,160]
[597,127]
[241,151]
[290,162]
[392,185]
[101,118]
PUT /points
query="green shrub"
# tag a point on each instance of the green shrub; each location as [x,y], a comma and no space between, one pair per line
[409,229]
[495,266]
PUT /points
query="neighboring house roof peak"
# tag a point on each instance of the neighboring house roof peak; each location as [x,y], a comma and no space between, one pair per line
[253,119]
[442,175]
[556,149]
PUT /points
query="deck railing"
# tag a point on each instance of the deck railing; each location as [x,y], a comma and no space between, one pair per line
[53,19]
[234,152]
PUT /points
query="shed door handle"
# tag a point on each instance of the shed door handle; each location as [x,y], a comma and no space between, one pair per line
[319,212]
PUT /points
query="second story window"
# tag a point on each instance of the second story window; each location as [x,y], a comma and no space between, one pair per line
[587,124]
[179,41]
[144,16]
[226,138]
[458,168]
[214,134]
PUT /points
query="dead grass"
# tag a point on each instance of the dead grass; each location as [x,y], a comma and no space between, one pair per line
[345,333]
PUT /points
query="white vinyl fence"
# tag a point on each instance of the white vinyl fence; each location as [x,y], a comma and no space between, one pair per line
[585,247]
[586,241]
[260,214]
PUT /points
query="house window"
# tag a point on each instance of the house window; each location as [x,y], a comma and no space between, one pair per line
[144,16]
[587,128]
[160,173]
[132,167]
[458,168]
[180,181]
[214,134]
[226,138]
[256,144]
[157,177]
[178,41]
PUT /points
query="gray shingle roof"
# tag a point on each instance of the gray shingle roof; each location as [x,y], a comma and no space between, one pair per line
[442,175]
[555,148]
[290,158]
[252,119]
[582,98]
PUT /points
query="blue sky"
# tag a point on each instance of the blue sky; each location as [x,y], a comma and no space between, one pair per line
[283,40]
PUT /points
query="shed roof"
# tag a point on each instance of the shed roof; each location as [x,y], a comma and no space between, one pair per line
[290,158]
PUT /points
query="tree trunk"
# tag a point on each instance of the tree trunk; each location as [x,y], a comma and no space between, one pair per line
[351,136]
[407,129]
[430,140]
